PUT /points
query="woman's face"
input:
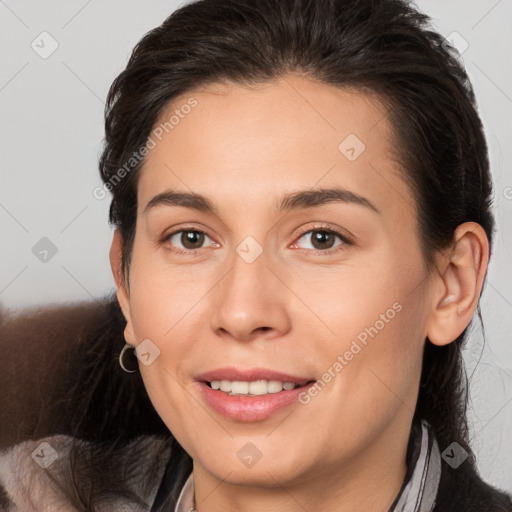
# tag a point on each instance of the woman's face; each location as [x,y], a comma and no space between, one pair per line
[276,241]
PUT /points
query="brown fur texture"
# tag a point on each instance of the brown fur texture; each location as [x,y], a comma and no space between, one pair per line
[37,348]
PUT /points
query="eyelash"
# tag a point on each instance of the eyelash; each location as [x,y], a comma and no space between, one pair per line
[344,239]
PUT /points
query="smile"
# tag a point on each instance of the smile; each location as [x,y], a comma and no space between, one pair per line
[250,395]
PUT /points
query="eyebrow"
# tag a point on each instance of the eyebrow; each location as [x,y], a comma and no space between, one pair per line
[291,201]
[318,197]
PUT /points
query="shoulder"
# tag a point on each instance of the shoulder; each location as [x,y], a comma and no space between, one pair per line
[463,489]
[35,474]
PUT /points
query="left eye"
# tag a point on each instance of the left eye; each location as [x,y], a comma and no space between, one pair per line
[189,239]
[321,239]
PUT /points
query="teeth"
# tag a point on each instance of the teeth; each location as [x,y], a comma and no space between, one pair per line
[258,387]
[254,388]
[274,386]
[240,388]
[225,385]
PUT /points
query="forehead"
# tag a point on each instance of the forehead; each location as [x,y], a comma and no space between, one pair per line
[241,144]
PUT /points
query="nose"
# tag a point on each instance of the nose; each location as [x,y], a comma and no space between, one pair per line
[251,302]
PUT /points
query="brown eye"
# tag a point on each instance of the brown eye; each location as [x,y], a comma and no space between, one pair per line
[321,240]
[192,239]
[188,239]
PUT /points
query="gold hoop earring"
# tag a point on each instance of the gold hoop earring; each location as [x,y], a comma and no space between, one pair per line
[121,356]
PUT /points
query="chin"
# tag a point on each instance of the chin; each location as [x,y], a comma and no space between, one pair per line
[242,463]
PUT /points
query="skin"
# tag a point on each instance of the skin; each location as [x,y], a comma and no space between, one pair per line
[293,309]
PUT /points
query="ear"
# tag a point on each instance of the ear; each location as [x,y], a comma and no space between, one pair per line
[121,281]
[459,284]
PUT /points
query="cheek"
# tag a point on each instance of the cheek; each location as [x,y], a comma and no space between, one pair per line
[382,362]
[163,298]
[378,324]
[363,301]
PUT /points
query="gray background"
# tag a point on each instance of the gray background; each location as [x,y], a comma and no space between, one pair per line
[52,127]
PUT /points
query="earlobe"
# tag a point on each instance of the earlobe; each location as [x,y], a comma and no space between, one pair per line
[116,264]
[460,283]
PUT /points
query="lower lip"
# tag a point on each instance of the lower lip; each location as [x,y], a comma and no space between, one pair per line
[250,408]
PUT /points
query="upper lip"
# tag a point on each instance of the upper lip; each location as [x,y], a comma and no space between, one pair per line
[250,375]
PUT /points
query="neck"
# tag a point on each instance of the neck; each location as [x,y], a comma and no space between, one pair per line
[368,481]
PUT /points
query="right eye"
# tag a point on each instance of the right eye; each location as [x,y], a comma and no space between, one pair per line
[188,240]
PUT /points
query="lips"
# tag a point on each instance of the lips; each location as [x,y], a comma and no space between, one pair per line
[250,395]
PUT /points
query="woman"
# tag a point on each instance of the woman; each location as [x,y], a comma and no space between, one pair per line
[301,196]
